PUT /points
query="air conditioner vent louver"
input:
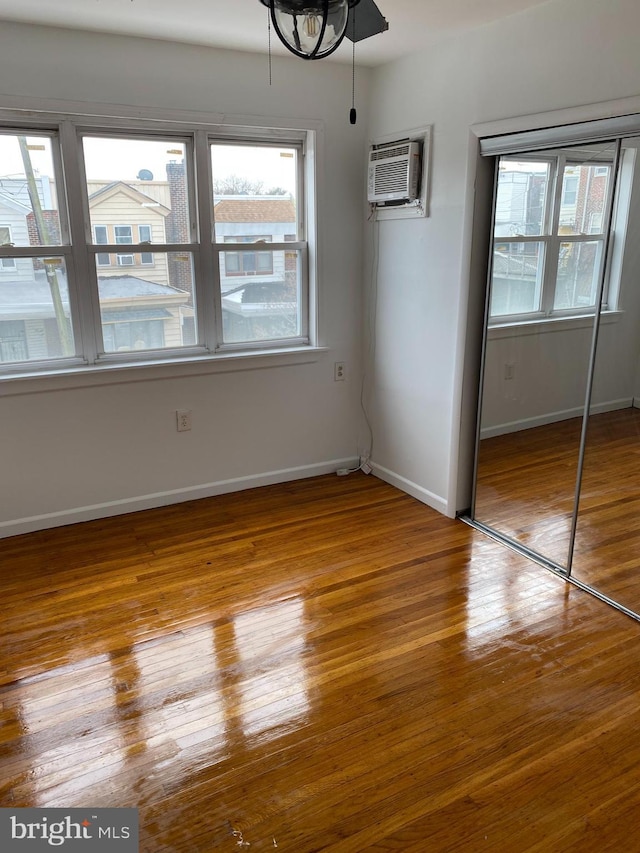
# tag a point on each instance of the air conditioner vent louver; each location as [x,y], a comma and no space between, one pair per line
[384,153]
[394,172]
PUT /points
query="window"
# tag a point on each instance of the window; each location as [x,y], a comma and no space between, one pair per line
[248,263]
[101,237]
[168,263]
[5,240]
[551,215]
[144,236]
[262,294]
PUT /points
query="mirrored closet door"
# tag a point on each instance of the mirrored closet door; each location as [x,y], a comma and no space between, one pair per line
[557,469]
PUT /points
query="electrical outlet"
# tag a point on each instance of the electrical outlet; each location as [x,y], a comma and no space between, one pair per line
[183,420]
[339,371]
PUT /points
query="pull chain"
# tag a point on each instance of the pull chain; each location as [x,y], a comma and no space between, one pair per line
[269,32]
[352,112]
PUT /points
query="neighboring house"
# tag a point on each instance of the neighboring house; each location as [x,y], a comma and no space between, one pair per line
[259,287]
[122,214]
[145,296]
[140,309]
[136,314]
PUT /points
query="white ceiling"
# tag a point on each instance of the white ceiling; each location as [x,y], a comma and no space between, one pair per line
[242,24]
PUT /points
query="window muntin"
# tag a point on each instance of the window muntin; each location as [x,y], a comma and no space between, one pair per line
[551,218]
[147,270]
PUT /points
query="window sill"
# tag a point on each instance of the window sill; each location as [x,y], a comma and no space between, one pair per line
[556,324]
[29,382]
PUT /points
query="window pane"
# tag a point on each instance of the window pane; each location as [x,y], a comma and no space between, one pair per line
[263,306]
[34,294]
[255,191]
[123,234]
[517,278]
[578,274]
[151,308]
[28,184]
[521,198]
[583,198]
[138,189]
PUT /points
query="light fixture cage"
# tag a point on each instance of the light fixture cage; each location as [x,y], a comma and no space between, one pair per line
[310,29]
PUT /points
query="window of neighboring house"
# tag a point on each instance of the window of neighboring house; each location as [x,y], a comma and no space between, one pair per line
[5,240]
[248,263]
[101,237]
[123,235]
[552,213]
[144,236]
[133,335]
[92,312]
[13,341]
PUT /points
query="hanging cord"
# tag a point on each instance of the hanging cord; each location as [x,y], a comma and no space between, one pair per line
[269,36]
[352,112]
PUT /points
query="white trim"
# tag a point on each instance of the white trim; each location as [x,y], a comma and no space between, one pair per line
[423,495]
[553,417]
[558,118]
[118,373]
[21,109]
[15,527]
[517,329]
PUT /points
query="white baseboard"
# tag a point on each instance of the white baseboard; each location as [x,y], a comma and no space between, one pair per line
[554,417]
[15,527]
[424,495]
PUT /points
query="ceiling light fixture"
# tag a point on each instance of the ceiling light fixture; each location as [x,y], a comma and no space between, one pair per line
[311,29]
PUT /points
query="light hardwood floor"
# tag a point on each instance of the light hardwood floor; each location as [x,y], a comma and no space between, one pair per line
[321,665]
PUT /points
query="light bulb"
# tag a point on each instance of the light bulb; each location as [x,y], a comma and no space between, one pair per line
[311,25]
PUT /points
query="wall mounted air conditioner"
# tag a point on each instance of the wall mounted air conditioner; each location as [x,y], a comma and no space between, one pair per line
[394,172]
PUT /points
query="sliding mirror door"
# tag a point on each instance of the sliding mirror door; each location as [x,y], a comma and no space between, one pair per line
[607,543]
[547,260]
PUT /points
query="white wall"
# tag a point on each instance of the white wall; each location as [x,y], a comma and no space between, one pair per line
[558,56]
[79,452]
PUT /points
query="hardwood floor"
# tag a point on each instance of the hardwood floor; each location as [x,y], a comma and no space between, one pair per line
[321,665]
[526,488]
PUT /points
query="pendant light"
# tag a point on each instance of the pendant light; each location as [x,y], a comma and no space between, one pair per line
[311,29]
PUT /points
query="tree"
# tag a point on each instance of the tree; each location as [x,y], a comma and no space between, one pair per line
[236,185]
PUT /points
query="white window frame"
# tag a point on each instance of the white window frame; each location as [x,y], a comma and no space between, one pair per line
[551,240]
[78,256]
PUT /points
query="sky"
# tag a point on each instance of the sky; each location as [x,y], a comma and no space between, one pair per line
[122,159]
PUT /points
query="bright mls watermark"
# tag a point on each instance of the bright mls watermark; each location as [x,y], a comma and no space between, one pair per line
[82,830]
